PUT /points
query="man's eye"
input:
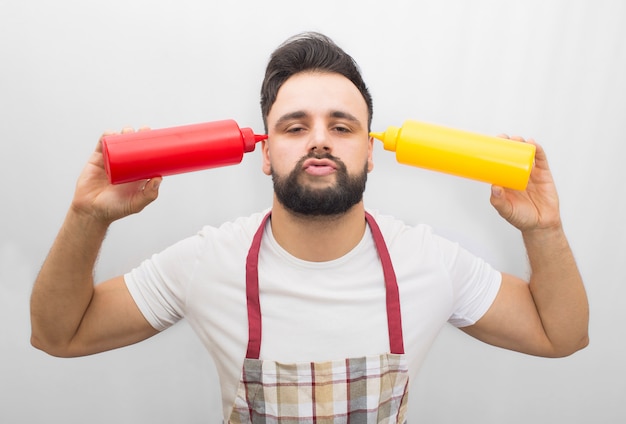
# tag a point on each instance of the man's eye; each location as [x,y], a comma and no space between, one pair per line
[295,130]
[342,129]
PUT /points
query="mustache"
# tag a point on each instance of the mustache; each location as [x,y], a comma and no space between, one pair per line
[323,155]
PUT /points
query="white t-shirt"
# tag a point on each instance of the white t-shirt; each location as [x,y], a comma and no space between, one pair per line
[311,311]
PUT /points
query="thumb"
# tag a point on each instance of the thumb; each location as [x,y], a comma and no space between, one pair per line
[149,192]
[151,189]
[499,201]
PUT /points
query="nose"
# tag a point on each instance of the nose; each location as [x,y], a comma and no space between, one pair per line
[320,140]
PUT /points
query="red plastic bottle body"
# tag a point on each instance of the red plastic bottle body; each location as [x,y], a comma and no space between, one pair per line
[155,153]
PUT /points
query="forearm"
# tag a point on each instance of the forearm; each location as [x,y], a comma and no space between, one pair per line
[64,287]
[557,289]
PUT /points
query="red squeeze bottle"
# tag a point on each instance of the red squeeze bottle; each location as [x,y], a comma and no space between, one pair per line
[155,153]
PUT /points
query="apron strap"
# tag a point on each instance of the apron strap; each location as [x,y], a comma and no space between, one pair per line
[394,316]
[252,293]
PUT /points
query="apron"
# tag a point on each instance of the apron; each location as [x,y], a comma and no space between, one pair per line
[369,389]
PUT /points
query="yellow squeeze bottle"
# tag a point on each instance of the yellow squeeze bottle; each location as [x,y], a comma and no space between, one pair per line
[494,160]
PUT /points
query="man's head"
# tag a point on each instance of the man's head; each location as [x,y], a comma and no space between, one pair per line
[317,113]
[312,52]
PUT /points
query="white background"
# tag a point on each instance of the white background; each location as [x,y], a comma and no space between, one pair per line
[552,70]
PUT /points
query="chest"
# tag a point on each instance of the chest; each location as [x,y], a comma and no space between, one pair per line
[326,311]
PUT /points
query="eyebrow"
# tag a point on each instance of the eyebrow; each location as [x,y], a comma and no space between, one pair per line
[299,114]
[289,117]
[345,115]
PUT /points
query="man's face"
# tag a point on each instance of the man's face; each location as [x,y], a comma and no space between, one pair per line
[318,151]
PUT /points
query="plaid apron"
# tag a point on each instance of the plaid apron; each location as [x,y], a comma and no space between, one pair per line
[368,389]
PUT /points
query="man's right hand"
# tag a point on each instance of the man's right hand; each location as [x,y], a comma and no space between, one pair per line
[96,197]
[70,316]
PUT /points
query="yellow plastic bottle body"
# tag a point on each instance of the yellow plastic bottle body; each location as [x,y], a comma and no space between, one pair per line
[484,158]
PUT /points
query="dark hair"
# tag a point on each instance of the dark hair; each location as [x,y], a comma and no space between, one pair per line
[309,51]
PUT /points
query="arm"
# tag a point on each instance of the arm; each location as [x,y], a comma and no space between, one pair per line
[549,315]
[69,316]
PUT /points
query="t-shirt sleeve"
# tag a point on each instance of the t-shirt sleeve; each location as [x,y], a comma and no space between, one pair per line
[475,284]
[158,285]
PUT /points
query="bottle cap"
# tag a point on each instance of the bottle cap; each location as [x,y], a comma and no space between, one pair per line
[250,139]
[388,137]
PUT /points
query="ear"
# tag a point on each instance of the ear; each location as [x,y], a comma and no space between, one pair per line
[370,154]
[265,150]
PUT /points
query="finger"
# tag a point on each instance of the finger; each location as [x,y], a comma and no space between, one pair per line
[541,160]
[126,130]
[540,153]
[99,145]
[104,134]
[516,138]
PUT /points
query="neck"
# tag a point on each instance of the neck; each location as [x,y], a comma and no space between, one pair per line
[319,238]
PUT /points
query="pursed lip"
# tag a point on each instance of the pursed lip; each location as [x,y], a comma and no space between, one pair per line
[318,162]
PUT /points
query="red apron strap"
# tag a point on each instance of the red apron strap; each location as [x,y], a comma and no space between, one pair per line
[252,293]
[394,316]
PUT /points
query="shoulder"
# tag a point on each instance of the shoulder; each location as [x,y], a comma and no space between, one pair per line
[417,243]
[395,230]
[242,228]
[210,239]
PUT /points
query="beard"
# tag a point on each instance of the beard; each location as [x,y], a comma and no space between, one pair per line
[334,200]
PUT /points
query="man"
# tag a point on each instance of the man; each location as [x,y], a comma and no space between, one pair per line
[320,308]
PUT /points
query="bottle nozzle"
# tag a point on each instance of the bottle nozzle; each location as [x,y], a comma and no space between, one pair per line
[379,136]
[259,137]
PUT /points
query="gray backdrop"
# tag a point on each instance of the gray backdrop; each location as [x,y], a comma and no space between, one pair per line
[552,70]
